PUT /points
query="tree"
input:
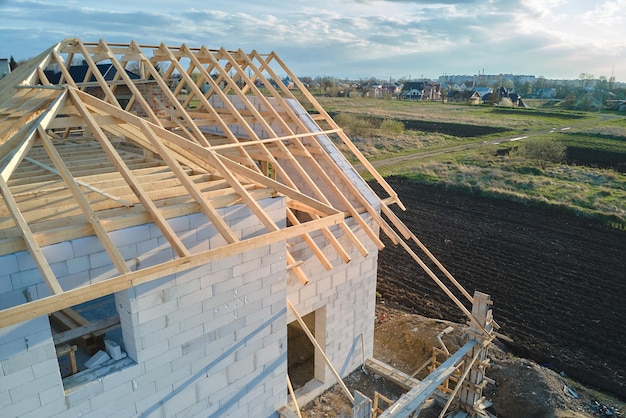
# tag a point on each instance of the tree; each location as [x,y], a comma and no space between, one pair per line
[543,151]
[585,79]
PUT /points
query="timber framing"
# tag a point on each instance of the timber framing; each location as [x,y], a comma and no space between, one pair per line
[168,131]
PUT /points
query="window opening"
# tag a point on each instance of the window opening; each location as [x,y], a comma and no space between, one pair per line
[87,335]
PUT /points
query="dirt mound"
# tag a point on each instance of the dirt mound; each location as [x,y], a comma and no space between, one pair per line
[522,387]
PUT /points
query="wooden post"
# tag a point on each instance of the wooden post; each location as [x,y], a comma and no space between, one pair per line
[470,393]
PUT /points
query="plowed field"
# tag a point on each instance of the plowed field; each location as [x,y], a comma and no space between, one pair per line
[558,281]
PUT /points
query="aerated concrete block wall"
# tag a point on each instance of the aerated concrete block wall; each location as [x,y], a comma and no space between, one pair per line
[344,300]
[211,340]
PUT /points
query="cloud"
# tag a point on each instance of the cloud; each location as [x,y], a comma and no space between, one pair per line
[354,37]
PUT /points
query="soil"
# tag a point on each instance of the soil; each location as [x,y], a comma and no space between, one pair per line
[557,282]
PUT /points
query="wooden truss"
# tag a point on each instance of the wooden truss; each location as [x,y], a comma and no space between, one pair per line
[97,137]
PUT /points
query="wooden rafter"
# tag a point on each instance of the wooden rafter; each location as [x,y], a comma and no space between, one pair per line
[89,166]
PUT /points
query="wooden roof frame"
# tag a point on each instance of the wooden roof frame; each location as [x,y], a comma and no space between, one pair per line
[216,127]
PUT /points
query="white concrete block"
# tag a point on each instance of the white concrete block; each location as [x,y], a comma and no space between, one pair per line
[114,389]
[226,263]
[134,235]
[154,350]
[27,358]
[25,261]
[58,252]
[97,359]
[156,311]
[243,367]
[19,408]
[99,259]
[181,289]
[225,287]
[78,264]
[45,368]
[254,263]
[162,361]
[9,263]
[26,278]
[180,224]
[17,379]
[154,285]
[85,246]
[147,246]
[114,350]
[102,273]
[141,330]
[129,251]
[78,396]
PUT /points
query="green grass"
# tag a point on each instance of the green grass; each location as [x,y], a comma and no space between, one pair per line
[591,192]
[597,193]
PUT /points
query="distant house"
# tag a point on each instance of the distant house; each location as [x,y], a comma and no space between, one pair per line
[79,72]
[482,90]
[5,68]
[421,90]
[463,96]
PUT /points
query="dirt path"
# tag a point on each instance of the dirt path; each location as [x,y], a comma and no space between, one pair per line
[558,282]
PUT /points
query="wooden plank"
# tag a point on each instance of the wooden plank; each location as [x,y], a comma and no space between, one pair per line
[99,327]
[19,152]
[390,373]
[89,213]
[286,152]
[59,230]
[190,186]
[121,72]
[95,71]
[333,125]
[413,399]
[70,351]
[32,245]
[53,303]
[148,205]
[79,182]
[172,98]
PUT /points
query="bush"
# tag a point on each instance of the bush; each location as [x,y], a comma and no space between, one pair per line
[392,126]
[505,102]
[543,151]
[354,124]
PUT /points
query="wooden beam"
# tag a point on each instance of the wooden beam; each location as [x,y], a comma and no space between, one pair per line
[13,159]
[56,302]
[99,326]
[412,400]
[191,187]
[148,205]
[29,240]
[92,218]
[81,183]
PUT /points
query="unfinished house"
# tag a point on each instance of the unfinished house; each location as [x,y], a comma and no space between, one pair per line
[179,236]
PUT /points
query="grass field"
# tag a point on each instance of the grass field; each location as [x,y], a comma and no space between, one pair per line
[591,181]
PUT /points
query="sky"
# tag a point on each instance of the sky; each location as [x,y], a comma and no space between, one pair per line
[355,39]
